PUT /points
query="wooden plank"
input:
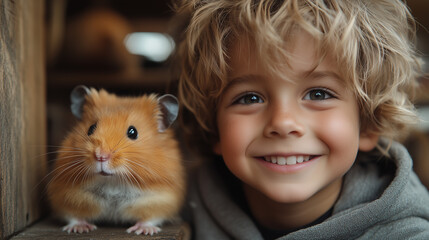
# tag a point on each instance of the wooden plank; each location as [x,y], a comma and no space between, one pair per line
[34,132]
[22,113]
[10,113]
[51,229]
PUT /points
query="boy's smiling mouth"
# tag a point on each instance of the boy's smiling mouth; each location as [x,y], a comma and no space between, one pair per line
[289,160]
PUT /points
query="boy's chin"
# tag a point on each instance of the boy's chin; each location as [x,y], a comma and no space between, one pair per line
[282,196]
[289,197]
[297,193]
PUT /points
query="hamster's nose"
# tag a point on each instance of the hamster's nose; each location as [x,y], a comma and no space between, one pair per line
[101,155]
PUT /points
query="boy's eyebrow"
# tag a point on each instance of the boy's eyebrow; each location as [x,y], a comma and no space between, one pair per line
[241,79]
[317,74]
[311,74]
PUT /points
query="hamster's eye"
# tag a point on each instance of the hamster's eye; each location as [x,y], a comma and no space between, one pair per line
[92,129]
[132,133]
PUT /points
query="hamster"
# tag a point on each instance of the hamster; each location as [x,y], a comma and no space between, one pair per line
[120,163]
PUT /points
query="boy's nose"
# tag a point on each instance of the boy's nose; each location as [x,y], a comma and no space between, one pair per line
[284,123]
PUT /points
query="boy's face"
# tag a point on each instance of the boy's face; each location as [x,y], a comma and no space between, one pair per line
[288,139]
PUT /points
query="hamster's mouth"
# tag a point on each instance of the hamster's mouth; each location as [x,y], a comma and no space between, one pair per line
[103,173]
[102,168]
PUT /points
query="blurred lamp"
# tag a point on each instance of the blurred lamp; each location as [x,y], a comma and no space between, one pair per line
[156,47]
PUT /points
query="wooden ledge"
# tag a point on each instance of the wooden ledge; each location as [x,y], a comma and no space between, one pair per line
[51,229]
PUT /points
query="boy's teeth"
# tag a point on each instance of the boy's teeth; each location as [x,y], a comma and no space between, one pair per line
[273,159]
[281,161]
[291,160]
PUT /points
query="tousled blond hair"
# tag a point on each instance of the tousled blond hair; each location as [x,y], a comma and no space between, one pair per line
[372,41]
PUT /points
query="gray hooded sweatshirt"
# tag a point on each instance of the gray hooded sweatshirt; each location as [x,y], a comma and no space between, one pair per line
[381,198]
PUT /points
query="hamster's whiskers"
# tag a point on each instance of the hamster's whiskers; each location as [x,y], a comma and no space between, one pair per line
[76,173]
[128,174]
[71,151]
[133,174]
[79,173]
[56,175]
[149,171]
[139,164]
[63,147]
[74,150]
[126,146]
[72,156]
[80,134]
[114,147]
[122,178]
[86,174]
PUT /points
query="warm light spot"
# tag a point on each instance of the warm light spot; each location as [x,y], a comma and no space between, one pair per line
[156,47]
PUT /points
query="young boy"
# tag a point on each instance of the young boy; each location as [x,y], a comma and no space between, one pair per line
[301,101]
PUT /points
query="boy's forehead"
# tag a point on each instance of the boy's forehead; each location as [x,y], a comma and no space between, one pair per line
[302,57]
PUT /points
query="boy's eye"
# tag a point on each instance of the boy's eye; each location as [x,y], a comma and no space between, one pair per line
[318,95]
[249,98]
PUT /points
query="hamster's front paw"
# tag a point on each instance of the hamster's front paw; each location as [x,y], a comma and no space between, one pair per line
[146,228]
[79,226]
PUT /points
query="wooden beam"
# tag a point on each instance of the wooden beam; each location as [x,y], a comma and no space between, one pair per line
[22,113]
[51,229]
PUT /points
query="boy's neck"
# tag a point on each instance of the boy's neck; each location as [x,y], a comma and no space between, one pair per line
[286,216]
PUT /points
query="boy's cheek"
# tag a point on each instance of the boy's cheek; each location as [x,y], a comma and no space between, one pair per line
[234,133]
[339,131]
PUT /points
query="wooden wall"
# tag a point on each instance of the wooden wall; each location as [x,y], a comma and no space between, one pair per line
[22,113]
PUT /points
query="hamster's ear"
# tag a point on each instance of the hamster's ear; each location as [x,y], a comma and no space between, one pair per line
[77,98]
[169,107]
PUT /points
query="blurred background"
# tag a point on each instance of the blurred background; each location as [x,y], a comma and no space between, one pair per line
[124,46]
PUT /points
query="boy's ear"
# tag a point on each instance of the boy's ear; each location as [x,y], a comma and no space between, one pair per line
[216,148]
[367,141]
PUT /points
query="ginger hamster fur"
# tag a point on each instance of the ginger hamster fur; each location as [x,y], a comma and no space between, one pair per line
[120,163]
